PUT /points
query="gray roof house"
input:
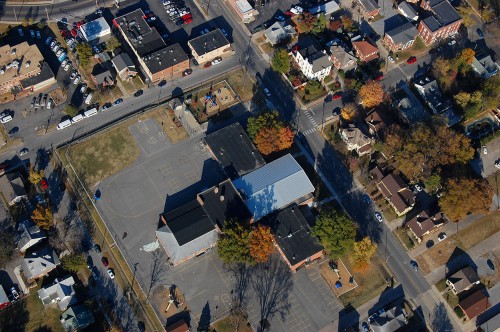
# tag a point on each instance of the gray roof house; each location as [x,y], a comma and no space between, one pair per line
[463,280]
[401,37]
[485,66]
[356,140]
[430,92]
[12,188]
[274,186]
[60,292]
[278,32]
[124,66]
[408,11]
[102,76]
[410,109]
[389,319]
[342,58]
[39,263]
[29,235]
[76,318]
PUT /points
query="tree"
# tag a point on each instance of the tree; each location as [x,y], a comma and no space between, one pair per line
[112,44]
[265,120]
[463,196]
[491,92]
[42,216]
[25,22]
[335,231]
[281,61]
[71,110]
[371,94]
[363,252]
[261,243]
[306,22]
[84,52]
[466,57]
[445,73]
[35,176]
[467,14]
[349,112]
[313,87]
[233,245]
[347,23]
[272,139]
[433,182]
[320,25]
[8,241]
[73,262]
[469,103]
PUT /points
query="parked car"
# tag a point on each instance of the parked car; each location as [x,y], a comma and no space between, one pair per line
[83,88]
[77,80]
[379,217]
[14,293]
[118,102]
[106,106]
[411,60]
[267,92]
[64,62]
[23,151]
[104,261]
[187,72]
[97,248]
[68,66]
[33,102]
[207,65]
[337,96]
[111,274]
[497,163]
[429,244]
[391,59]
[365,327]
[418,188]
[414,265]
[49,103]
[73,75]
[52,44]
[5,118]
[138,93]
[14,131]
[216,61]
[451,43]
[279,18]
[38,35]
[490,264]
[48,40]
[224,32]
[442,236]
[32,33]
[20,31]
[485,150]
[480,33]
[56,47]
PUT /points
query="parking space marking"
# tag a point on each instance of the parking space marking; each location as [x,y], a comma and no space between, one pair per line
[182,160]
[165,170]
[190,175]
[143,128]
[152,140]
[174,183]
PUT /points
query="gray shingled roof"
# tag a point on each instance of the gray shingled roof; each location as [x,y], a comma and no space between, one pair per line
[403,34]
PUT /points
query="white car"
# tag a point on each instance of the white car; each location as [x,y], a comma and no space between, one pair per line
[70,41]
[391,59]
[442,236]
[68,66]
[5,118]
[452,43]
[111,274]
[77,80]
[49,103]
[485,151]
[497,164]
[64,63]
[267,92]
[83,88]
[379,217]
[216,61]
[418,188]
[56,47]
[73,75]
[52,44]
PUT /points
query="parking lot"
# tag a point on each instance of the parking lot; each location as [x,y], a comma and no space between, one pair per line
[485,163]
[275,8]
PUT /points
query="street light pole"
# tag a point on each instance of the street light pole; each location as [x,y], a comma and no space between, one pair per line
[323,117]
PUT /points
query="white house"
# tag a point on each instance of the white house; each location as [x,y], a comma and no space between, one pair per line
[356,140]
[408,11]
[95,29]
[60,292]
[485,66]
[313,63]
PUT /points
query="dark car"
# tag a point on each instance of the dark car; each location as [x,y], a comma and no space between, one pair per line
[429,244]
[14,131]
[97,248]
[414,265]
[480,33]
[138,93]
[328,98]
[118,101]
[179,22]
[162,84]
[105,261]
[187,72]
[489,262]
[365,327]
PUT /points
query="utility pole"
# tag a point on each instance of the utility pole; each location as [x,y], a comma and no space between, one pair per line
[47,13]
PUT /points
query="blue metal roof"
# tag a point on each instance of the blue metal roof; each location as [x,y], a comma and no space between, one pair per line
[273,186]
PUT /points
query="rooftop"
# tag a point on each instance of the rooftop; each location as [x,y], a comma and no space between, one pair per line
[378,120]
[93,29]
[403,34]
[475,304]
[29,235]
[369,5]
[208,42]
[122,61]
[293,235]
[365,49]
[39,262]
[313,54]
[19,60]
[327,8]
[463,278]
[279,30]
[423,223]
[144,39]
[407,9]
[165,58]
[61,291]
[12,186]
[77,317]
[102,75]
[445,13]
[342,55]
[274,186]
[234,150]
[223,202]
[394,189]
[391,320]
[44,75]
[409,106]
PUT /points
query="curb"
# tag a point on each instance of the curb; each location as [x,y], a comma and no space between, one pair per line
[27,3]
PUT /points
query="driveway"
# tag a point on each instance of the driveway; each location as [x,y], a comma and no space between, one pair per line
[485,163]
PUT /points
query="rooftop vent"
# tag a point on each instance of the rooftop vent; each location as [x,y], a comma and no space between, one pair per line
[216,190]
[221,197]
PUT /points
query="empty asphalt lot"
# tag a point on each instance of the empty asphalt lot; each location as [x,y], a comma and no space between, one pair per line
[163,177]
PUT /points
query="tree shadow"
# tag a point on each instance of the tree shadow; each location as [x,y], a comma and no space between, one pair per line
[204,322]
[15,317]
[458,260]
[242,278]
[272,283]
[440,321]
[159,267]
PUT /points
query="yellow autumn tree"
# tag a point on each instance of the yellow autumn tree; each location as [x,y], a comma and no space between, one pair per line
[371,94]
[349,112]
[363,252]
[35,176]
[261,243]
[42,216]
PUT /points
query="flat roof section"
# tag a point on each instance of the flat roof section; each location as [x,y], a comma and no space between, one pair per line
[208,42]
[234,150]
[165,58]
[19,60]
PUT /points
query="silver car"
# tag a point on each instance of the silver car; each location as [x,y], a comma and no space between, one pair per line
[77,80]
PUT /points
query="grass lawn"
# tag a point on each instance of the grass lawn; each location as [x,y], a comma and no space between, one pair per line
[405,238]
[441,285]
[308,97]
[321,191]
[451,298]
[466,238]
[104,154]
[30,315]
[371,282]
[230,324]
[242,84]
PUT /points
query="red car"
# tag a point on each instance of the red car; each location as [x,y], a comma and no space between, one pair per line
[74,32]
[104,261]
[378,78]
[411,60]
[337,96]
[44,184]
[295,48]
[65,33]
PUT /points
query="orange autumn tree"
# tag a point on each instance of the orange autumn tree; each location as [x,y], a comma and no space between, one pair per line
[363,252]
[269,139]
[42,216]
[261,243]
[371,94]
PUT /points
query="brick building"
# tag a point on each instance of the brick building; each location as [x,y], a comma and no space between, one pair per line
[365,51]
[443,21]
[157,60]
[209,46]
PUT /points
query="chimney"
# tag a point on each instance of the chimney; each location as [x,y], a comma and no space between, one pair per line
[221,197]
[216,190]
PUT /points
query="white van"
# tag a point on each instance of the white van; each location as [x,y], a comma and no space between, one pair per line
[6,119]
[90,113]
[64,124]
[77,118]
[88,99]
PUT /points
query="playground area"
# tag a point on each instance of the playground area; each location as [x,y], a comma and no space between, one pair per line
[169,301]
[338,277]
[209,101]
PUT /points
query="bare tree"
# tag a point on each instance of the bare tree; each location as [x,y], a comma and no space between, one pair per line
[159,267]
[441,322]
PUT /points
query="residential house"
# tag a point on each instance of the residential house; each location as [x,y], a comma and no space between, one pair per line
[401,37]
[408,11]
[23,69]
[101,76]
[209,46]
[314,63]
[463,280]
[397,193]
[376,174]
[39,263]
[409,109]
[29,235]
[430,92]
[356,140]
[484,65]
[4,299]
[12,188]
[389,319]
[443,21]
[475,304]
[326,8]
[488,322]
[365,51]
[76,318]
[275,186]
[61,291]
[370,7]
[424,224]
[157,60]
[293,239]
[342,58]
[279,32]
[244,10]
[96,29]
[378,122]
[178,326]
[234,150]
[124,66]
